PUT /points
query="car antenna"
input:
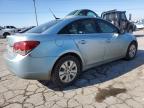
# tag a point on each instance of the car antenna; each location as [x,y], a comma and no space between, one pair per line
[53,14]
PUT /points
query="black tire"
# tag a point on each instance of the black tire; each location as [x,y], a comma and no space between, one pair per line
[6,34]
[128,56]
[55,73]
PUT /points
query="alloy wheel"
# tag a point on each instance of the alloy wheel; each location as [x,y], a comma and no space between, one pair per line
[132,50]
[68,71]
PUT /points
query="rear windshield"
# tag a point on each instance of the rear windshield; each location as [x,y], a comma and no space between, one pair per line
[42,28]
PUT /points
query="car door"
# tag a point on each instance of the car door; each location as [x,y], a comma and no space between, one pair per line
[90,44]
[114,41]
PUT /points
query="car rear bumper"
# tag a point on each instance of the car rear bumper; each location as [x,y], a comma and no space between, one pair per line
[28,67]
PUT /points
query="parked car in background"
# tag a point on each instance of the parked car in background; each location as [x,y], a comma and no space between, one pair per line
[12,28]
[83,12]
[62,49]
[1,32]
[139,26]
[8,30]
[1,27]
[119,19]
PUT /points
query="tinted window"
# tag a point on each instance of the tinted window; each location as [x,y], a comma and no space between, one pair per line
[106,27]
[70,29]
[83,13]
[42,28]
[12,27]
[107,17]
[86,26]
[123,16]
[110,17]
[7,27]
[89,13]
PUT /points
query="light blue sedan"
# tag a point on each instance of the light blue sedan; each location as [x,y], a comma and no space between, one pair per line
[61,49]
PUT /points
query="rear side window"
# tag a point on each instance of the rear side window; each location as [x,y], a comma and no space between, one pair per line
[84,26]
[42,28]
[106,27]
[88,26]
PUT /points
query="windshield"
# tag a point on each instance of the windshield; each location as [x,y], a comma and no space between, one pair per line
[42,28]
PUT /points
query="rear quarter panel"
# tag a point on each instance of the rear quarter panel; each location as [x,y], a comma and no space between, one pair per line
[56,46]
[127,38]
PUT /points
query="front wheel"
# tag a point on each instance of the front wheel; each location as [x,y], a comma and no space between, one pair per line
[66,71]
[131,51]
[6,34]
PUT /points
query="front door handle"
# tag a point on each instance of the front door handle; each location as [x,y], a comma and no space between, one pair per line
[82,42]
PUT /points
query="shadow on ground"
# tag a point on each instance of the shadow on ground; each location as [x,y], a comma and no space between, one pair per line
[139,35]
[102,73]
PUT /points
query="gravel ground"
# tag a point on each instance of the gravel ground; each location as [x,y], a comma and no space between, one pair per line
[119,84]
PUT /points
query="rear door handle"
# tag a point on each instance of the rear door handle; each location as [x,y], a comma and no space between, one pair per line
[82,42]
[108,40]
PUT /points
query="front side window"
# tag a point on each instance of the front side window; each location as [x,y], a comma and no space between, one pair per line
[106,27]
[86,26]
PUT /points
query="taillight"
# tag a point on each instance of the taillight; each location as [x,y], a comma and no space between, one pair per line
[24,47]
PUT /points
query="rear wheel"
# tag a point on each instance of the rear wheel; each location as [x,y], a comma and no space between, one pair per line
[131,51]
[66,71]
[6,34]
